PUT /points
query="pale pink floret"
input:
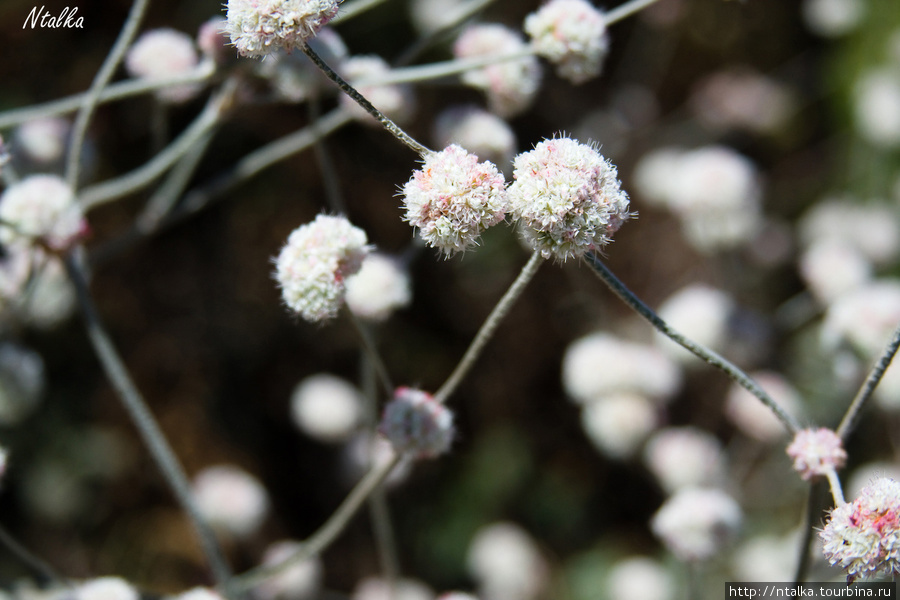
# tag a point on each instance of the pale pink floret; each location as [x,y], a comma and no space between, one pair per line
[567,198]
[817,452]
[163,53]
[314,264]
[41,207]
[416,424]
[572,35]
[510,85]
[259,27]
[453,198]
[862,536]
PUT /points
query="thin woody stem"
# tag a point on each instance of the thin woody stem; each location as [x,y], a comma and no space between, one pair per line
[490,325]
[699,350]
[361,100]
[865,392]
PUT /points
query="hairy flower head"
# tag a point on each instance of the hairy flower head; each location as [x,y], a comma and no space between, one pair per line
[572,35]
[817,452]
[453,198]
[567,198]
[259,27]
[314,264]
[863,536]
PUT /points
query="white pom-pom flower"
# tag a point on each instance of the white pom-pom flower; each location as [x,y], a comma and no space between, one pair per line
[700,312]
[326,407]
[299,581]
[572,35]
[453,198]
[231,499]
[43,140]
[380,287]
[865,317]
[817,452]
[877,107]
[618,424]
[375,588]
[566,198]
[863,536]
[697,523]
[601,364]
[510,85]
[871,228]
[314,264]
[259,27]
[832,267]
[416,424]
[682,457]
[198,593]
[833,18]
[640,578]
[480,132]
[506,562]
[106,588]
[163,53]
[395,101]
[41,206]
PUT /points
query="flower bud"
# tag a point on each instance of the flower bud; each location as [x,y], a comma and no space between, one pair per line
[416,424]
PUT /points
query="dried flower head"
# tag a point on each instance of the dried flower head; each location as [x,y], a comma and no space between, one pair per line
[510,85]
[162,53]
[314,264]
[863,536]
[259,27]
[567,198]
[696,523]
[416,424]
[572,35]
[817,452]
[41,206]
[453,198]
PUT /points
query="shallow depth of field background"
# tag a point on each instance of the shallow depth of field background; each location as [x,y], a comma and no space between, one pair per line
[199,320]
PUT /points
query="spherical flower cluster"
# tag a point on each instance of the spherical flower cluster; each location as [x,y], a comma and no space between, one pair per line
[416,424]
[403,588]
[43,140]
[567,198]
[682,457]
[877,107]
[379,288]
[618,424]
[259,27]
[314,264]
[600,364]
[863,536]
[832,267]
[106,588]
[742,99]
[162,53]
[572,35]
[198,593]
[231,499]
[480,132]
[41,206]
[326,407]
[395,101]
[871,228]
[865,317]
[300,581]
[697,523]
[833,18]
[817,452]
[213,41]
[453,198]
[506,563]
[640,578]
[510,85]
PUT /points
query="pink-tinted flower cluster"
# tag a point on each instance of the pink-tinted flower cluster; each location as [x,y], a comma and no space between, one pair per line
[314,264]
[259,27]
[416,424]
[572,35]
[817,452]
[40,207]
[863,536]
[567,197]
[453,198]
